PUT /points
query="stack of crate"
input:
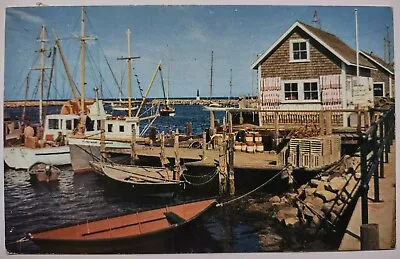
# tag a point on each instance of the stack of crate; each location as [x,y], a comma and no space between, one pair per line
[314,152]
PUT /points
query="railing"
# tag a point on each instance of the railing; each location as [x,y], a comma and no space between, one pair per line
[374,151]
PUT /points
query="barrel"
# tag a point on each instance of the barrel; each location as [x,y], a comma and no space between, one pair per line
[250,147]
[259,146]
[238,146]
[257,138]
[249,137]
[244,147]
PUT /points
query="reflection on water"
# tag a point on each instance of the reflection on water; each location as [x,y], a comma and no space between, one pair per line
[33,207]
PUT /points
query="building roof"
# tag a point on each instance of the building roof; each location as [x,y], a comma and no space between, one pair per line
[378,61]
[335,45]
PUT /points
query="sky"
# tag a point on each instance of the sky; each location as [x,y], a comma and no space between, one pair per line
[180,36]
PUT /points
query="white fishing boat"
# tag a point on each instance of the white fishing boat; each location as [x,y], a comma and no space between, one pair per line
[118,131]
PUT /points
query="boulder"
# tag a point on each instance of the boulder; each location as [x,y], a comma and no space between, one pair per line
[310,231]
[338,209]
[325,178]
[309,191]
[326,196]
[336,184]
[314,201]
[315,222]
[288,212]
[292,221]
[275,199]
[270,242]
[314,182]
[327,207]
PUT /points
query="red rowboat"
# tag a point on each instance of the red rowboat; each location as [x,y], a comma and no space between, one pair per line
[135,233]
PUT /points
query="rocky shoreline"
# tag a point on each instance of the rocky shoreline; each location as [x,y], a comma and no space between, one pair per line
[308,218]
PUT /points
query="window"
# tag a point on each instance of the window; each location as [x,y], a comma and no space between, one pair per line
[121,128]
[299,50]
[53,124]
[109,127]
[301,91]
[378,89]
[311,91]
[68,124]
[291,91]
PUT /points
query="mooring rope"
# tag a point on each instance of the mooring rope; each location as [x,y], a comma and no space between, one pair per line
[21,240]
[199,184]
[250,192]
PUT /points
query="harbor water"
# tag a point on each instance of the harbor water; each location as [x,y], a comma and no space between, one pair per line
[34,207]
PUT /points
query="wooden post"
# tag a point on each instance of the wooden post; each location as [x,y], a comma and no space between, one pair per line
[366,119]
[204,146]
[241,118]
[177,169]
[321,123]
[231,172]
[230,127]
[163,159]
[328,122]
[358,119]
[102,141]
[222,168]
[369,236]
[276,121]
[133,146]
[212,125]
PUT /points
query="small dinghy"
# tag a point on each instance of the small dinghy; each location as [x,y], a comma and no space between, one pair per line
[141,180]
[139,232]
[42,172]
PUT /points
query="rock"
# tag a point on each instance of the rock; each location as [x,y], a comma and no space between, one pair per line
[339,201]
[275,199]
[338,209]
[288,212]
[284,200]
[327,207]
[309,191]
[314,182]
[291,196]
[357,175]
[310,231]
[336,184]
[326,196]
[344,197]
[333,217]
[314,201]
[324,178]
[291,222]
[315,222]
[270,242]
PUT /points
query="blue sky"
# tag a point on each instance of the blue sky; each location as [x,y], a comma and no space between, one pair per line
[182,37]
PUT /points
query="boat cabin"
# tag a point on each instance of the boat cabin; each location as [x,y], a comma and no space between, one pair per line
[56,123]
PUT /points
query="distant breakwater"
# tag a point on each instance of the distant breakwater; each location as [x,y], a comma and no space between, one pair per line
[35,103]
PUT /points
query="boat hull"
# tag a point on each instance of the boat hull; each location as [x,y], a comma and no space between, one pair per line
[38,173]
[24,158]
[85,150]
[151,231]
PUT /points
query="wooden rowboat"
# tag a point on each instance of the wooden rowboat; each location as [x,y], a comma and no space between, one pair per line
[135,233]
[141,180]
[41,172]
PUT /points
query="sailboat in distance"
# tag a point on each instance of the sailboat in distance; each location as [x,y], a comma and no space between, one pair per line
[167,109]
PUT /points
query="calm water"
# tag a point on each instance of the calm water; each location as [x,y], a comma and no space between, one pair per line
[74,198]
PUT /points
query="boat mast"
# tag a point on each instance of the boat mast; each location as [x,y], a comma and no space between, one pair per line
[42,50]
[212,55]
[230,88]
[129,85]
[83,60]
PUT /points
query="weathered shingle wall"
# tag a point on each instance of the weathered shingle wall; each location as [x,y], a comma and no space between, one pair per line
[322,62]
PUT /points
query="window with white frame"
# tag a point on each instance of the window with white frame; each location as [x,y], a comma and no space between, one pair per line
[291,91]
[301,90]
[310,91]
[299,50]
[378,89]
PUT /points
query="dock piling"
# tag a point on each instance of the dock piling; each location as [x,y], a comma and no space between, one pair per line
[222,168]
[177,168]
[369,236]
[212,123]
[204,146]
[133,146]
[163,159]
[231,173]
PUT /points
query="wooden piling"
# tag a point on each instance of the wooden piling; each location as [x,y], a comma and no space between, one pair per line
[163,159]
[230,127]
[133,146]
[369,236]
[241,118]
[177,168]
[358,119]
[212,123]
[102,141]
[222,168]
[328,122]
[231,176]
[321,123]
[276,121]
[204,146]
